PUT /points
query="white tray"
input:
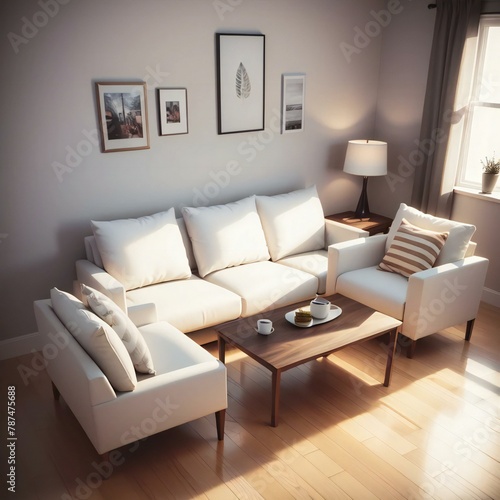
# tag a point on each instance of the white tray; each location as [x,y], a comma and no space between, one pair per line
[335,312]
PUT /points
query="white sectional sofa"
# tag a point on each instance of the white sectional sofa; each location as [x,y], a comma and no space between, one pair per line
[216,263]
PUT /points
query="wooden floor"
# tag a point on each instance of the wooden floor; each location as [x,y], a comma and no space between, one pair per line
[434,433]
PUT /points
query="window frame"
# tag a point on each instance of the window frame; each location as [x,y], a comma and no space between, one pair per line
[474,103]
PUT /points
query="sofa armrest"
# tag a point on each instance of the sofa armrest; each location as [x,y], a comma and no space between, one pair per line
[98,278]
[336,232]
[444,295]
[351,255]
[143,314]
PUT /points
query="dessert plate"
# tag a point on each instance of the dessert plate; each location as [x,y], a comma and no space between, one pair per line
[335,312]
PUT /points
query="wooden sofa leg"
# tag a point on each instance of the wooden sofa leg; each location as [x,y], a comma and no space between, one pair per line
[468,330]
[220,419]
[411,349]
[55,392]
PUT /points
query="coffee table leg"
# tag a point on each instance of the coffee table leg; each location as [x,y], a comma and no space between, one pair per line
[390,355]
[222,349]
[275,397]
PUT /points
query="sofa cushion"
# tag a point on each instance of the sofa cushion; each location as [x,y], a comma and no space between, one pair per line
[315,263]
[129,334]
[293,222]
[266,285]
[384,292]
[190,304]
[139,252]
[413,249]
[97,338]
[458,238]
[226,235]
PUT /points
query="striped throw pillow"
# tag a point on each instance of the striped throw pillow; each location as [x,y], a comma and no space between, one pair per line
[413,249]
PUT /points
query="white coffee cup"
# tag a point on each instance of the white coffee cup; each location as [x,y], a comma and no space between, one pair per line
[265,326]
[320,308]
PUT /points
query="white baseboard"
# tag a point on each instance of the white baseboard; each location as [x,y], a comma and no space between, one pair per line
[491,297]
[11,348]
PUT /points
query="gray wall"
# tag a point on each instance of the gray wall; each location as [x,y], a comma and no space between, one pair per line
[372,88]
[48,109]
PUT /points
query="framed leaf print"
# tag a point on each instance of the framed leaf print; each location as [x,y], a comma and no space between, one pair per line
[292,99]
[123,116]
[240,85]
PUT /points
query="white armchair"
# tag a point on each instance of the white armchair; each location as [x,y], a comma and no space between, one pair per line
[189,383]
[430,300]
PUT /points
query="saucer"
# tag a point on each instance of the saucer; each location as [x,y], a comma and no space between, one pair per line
[335,312]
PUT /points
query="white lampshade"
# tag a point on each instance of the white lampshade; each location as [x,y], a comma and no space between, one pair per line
[366,157]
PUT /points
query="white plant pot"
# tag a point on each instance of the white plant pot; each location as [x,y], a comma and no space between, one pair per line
[488,182]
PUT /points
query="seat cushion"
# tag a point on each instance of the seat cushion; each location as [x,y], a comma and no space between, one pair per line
[265,285]
[225,235]
[458,239]
[143,251]
[97,338]
[413,249]
[189,304]
[385,292]
[129,334]
[293,222]
[315,263]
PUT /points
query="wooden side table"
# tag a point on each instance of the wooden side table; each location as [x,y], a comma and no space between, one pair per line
[374,224]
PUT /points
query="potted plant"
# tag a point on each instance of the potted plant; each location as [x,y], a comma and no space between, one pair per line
[491,170]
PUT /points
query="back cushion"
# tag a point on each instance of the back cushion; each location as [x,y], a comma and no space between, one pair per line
[97,338]
[225,235]
[293,222]
[143,251]
[459,234]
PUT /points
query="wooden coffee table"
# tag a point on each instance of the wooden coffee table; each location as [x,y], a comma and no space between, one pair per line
[289,345]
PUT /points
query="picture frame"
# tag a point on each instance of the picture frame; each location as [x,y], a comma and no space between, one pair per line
[240,82]
[292,98]
[123,115]
[172,111]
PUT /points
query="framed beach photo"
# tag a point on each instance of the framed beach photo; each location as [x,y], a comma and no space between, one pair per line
[123,118]
[240,85]
[172,108]
[292,98]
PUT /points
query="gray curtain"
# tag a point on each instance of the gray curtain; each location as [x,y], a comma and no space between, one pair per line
[433,186]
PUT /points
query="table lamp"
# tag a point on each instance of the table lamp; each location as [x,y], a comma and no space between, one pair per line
[366,158]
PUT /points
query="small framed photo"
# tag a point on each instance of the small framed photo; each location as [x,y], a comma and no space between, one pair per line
[123,116]
[172,108]
[240,82]
[292,98]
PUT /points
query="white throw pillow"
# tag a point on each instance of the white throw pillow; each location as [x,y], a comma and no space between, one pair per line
[459,234]
[226,235]
[97,338]
[129,334]
[293,222]
[143,251]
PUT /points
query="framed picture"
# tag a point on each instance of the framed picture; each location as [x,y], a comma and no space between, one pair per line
[172,108]
[123,116]
[292,98]
[240,85]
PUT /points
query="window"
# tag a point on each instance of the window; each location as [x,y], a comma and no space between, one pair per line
[480,131]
